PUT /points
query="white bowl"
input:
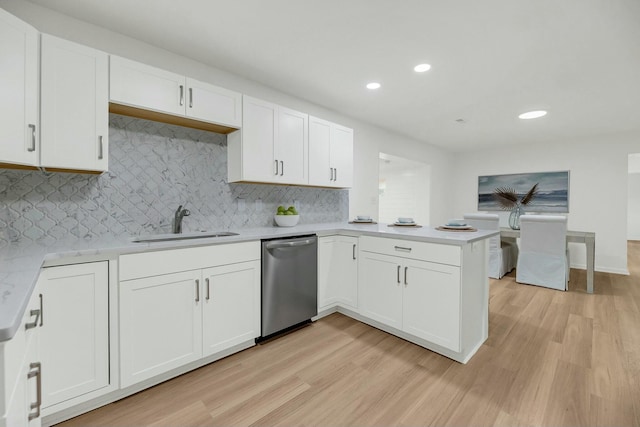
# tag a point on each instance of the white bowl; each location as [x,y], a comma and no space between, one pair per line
[286,220]
[456,222]
[405,220]
[363,218]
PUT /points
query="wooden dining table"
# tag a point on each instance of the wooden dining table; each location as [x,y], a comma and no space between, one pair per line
[588,238]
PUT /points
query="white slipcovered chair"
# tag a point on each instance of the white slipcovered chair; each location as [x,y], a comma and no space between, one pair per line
[544,256]
[502,255]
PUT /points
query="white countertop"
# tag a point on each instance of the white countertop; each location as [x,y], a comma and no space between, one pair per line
[20,264]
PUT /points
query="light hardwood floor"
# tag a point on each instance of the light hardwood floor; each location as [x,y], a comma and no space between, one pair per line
[552,358]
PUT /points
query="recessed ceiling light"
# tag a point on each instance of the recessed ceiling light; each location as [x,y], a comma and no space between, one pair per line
[532,114]
[421,68]
[373,85]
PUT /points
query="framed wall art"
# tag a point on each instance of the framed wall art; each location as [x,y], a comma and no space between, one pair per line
[552,191]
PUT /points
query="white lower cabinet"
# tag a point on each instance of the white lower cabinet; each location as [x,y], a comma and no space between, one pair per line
[21,372]
[171,319]
[381,290]
[160,327]
[431,302]
[421,298]
[337,272]
[231,305]
[74,336]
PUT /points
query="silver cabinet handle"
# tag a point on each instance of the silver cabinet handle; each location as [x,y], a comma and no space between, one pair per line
[190,97]
[402,249]
[405,275]
[398,274]
[181,95]
[33,324]
[38,403]
[197,290]
[33,138]
[335,174]
[281,168]
[100,153]
[354,251]
[277,167]
[208,290]
[41,310]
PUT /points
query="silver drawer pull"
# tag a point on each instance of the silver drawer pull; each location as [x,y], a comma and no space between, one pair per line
[402,249]
[354,251]
[208,288]
[100,148]
[181,95]
[38,403]
[405,276]
[197,290]
[190,97]
[33,324]
[33,138]
[398,274]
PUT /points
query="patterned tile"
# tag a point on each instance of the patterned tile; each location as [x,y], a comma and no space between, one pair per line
[154,168]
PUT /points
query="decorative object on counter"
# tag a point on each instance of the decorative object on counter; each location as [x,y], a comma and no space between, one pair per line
[398,224]
[507,198]
[553,190]
[363,219]
[287,217]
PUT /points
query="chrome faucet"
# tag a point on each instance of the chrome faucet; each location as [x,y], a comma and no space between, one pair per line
[177,219]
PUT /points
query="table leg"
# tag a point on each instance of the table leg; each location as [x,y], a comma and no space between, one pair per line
[591,252]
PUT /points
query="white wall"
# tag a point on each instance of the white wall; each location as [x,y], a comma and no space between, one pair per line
[597,187]
[368,140]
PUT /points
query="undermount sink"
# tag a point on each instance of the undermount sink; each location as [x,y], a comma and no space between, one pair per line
[185,236]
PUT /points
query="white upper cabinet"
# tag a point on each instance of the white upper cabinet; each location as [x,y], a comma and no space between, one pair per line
[330,154]
[272,145]
[151,89]
[211,103]
[75,106]
[19,88]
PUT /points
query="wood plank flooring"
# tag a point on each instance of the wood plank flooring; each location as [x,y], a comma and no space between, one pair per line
[552,358]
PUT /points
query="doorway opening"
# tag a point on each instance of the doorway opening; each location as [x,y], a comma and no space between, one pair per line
[403,190]
[633,198]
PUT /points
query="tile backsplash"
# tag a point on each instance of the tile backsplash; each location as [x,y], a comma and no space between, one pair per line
[153,168]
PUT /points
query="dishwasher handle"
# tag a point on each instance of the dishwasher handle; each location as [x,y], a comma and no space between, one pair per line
[292,244]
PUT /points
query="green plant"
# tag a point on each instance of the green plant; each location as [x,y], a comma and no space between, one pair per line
[507,197]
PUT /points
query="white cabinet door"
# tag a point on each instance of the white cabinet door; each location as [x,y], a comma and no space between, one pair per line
[272,146]
[290,148]
[320,171]
[337,272]
[380,289]
[342,156]
[431,308]
[74,337]
[259,133]
[214,104]
[74,105]
[231,305]
[142,86]
[330,154]
[19,88]
[160,324]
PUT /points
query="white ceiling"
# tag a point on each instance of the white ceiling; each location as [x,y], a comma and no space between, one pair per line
[491,59]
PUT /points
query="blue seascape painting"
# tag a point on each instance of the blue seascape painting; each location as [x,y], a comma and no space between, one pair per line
[553,190]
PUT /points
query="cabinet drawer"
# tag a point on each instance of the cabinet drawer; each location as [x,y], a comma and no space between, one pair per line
[148,264]
[433,252]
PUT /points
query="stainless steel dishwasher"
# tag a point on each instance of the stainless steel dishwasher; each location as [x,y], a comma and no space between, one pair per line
[289,283]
